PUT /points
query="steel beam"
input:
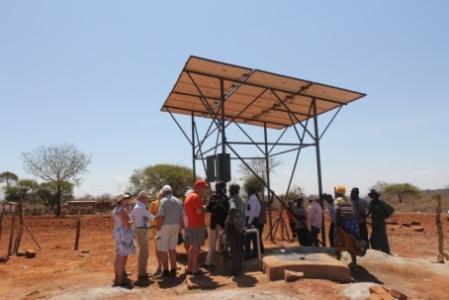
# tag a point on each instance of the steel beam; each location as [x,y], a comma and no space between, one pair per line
[318,167]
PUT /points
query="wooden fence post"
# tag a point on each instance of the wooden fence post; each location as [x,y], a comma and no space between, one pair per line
[31,234]
[20,229]
[440,257]
[78,229]
[11,235]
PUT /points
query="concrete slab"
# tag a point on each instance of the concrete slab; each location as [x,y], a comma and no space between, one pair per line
[313,262]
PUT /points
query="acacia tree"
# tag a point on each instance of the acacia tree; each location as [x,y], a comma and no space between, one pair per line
[153,178]
[259,166]
[57,164]
[401,190]
[24,189]
[8,178]
[46,193]
[253,182]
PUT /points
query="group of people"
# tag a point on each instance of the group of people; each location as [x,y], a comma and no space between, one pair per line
[176,222]
[348,229]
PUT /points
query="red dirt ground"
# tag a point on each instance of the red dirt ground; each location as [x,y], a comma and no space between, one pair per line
[58,270]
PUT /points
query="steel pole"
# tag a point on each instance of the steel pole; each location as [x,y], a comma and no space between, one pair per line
[267,168]
[223,136]
[318,166]
[193,148]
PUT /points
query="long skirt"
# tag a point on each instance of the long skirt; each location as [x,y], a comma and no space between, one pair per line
[379,240]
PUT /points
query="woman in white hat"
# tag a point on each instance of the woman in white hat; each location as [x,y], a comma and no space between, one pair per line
[123,235]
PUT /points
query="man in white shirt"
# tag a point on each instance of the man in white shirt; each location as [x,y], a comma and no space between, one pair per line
[252,221]
[142,217]
[315,220]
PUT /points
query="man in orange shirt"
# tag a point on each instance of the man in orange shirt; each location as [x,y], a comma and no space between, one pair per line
[195,232]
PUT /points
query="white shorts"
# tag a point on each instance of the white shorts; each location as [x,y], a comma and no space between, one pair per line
[167,237]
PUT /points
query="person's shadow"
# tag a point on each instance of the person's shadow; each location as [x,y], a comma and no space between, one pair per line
[360,274]
[244,280]
[204,282]
[170,282]
[143,282]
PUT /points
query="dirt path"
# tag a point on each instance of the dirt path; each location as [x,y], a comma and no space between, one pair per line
[62,273]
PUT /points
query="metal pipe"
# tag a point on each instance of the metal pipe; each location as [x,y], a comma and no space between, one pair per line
[193,148]
[263,143]
[330,122]
[267,169]
[223,136]
[291,150]
[278,139]
[291,113]
[214,118]
[180,127]
[318,166]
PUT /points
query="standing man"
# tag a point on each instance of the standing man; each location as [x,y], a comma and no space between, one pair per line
[300,217]
[379,211]
[291,219]
[262,222]
[142,217]
[195,232]
[316,221]
[170,221]
[361,209]
[218,207]
[252,221]
[234,228]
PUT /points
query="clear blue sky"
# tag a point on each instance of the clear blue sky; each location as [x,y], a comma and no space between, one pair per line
[95,73]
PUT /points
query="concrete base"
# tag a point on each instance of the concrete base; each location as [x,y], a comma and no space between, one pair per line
[313,262]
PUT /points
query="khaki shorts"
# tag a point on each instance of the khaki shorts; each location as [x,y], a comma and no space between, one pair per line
[167,237]
[195,236]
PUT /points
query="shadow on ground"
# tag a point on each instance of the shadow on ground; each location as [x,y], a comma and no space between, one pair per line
[360,274]
[170,282]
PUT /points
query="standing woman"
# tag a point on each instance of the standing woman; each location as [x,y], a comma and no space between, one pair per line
[123,235]
[154,209]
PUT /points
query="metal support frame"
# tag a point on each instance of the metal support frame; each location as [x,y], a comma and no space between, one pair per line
[193,148]
[267,168]
[219,124]
[318,165]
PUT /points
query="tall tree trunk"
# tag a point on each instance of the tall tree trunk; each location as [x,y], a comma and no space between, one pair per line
[59,196]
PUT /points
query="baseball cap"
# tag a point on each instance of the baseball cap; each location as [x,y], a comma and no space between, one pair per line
[201,184]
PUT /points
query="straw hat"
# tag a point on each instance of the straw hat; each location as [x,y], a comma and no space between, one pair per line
[122,196]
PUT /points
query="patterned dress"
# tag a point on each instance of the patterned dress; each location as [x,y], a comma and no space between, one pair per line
[124,241]
[344,209]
